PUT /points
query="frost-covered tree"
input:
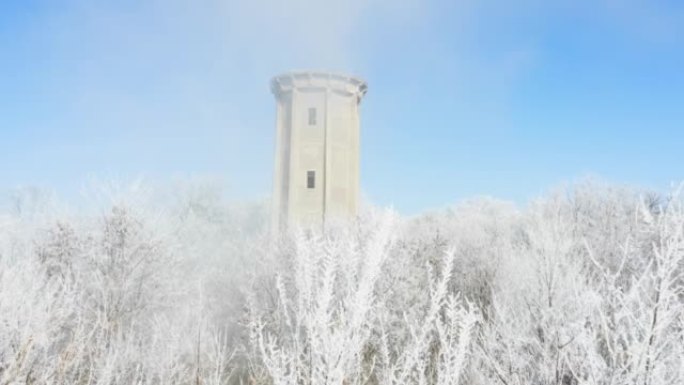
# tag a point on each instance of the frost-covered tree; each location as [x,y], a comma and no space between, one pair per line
[332,322]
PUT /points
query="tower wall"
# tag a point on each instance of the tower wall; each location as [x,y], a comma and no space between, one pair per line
[316,174]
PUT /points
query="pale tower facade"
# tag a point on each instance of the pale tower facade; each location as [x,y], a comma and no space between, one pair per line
[316,176]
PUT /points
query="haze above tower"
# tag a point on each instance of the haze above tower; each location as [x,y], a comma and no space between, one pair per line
[316,176]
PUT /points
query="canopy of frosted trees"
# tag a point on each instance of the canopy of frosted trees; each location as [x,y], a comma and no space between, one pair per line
[583,286]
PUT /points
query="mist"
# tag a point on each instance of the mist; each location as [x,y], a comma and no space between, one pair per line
[164,89]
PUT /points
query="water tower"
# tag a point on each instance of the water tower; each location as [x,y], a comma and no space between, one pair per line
[316,175]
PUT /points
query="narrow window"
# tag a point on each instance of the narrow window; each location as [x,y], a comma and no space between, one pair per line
[312,116]
[311,179]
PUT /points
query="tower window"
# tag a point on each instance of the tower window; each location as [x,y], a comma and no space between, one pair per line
[311,179]
[312,116]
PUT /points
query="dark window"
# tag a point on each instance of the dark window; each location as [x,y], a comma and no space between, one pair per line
[312,116]
[311,179]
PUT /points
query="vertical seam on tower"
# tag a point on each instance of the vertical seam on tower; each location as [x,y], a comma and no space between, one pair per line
[325,154]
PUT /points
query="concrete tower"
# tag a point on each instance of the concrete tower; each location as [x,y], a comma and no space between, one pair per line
[316,174]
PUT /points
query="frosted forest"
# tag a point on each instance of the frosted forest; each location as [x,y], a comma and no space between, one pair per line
[177,286]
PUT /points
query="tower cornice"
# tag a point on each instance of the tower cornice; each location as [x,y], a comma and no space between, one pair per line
[302,80]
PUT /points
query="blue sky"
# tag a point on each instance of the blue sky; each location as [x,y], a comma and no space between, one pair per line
[466,98]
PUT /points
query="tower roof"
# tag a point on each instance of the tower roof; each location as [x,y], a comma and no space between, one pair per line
[344,84]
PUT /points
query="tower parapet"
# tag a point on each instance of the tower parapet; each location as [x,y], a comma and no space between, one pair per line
[347,85]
